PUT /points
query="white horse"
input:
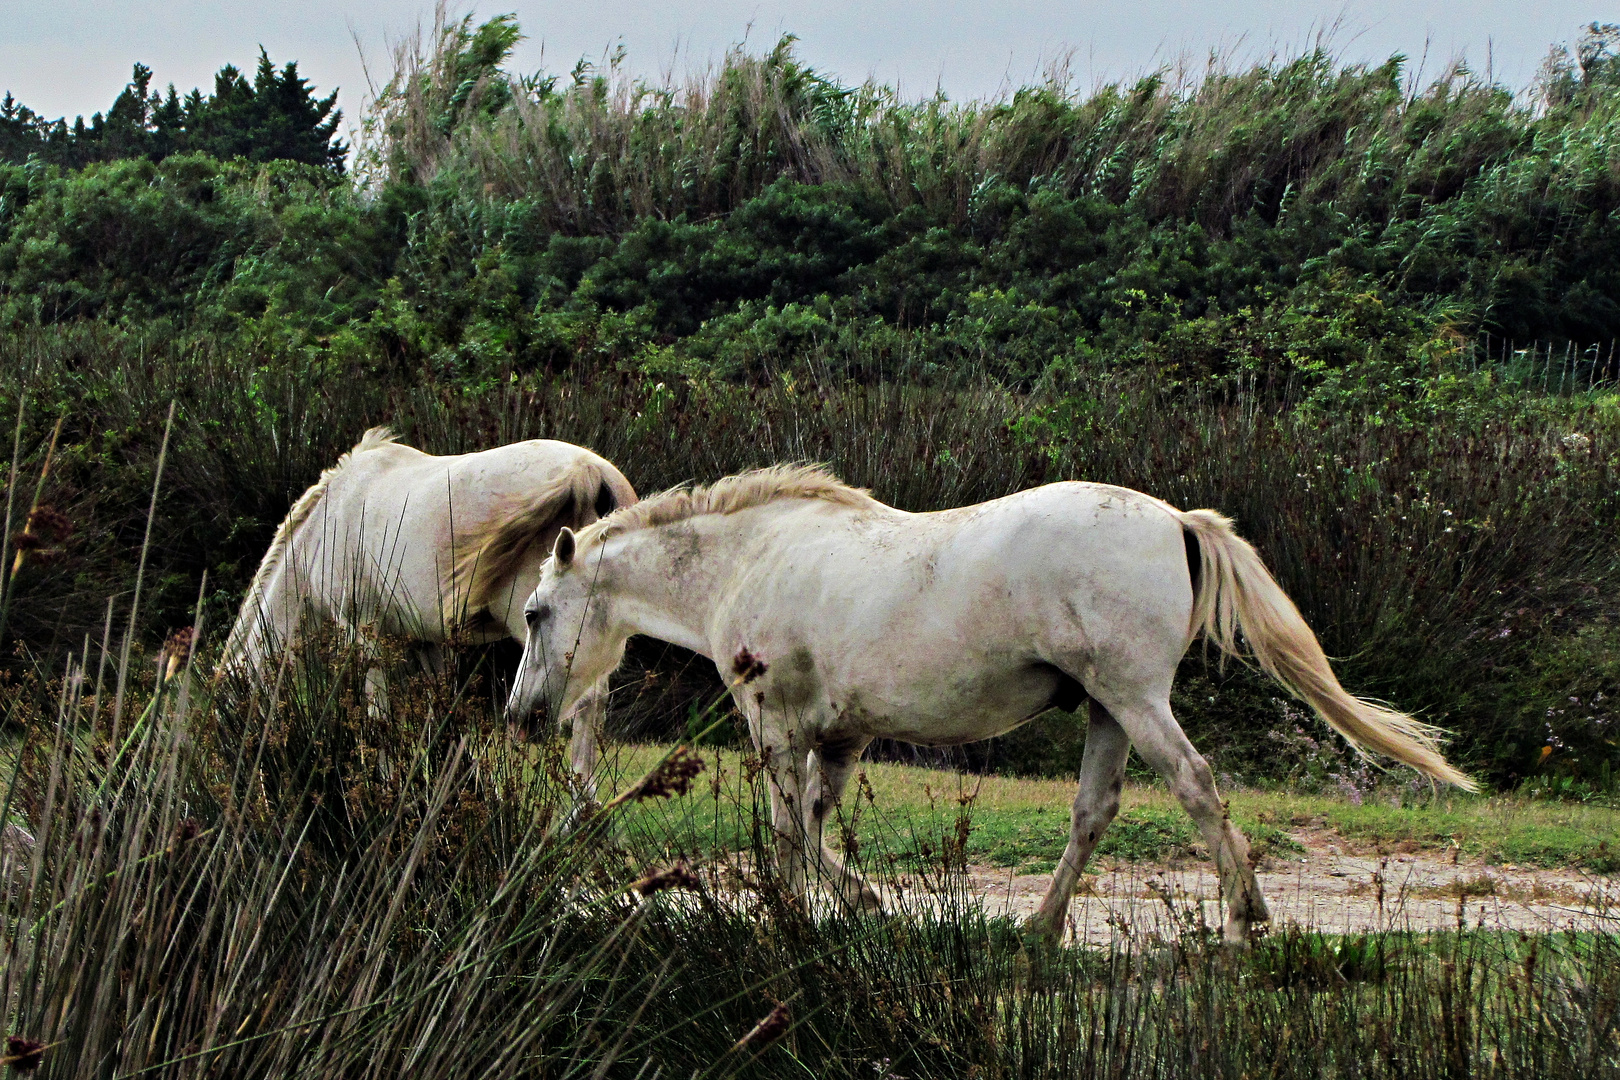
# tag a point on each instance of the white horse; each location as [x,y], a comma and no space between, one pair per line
[860,620]
[394,541]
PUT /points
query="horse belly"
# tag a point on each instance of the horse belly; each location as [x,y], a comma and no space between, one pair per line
[943,707]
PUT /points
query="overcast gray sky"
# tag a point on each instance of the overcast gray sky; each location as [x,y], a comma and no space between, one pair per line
[65,57]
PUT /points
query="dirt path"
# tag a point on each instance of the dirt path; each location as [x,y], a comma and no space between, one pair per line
[1328,889]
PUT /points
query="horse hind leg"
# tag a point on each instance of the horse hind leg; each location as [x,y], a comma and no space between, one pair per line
[1102,775]
[1159,739]
[830,766]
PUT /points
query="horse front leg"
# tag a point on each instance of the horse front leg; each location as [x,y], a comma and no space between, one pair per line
[584,724]
[587,721]
[830,767]
[784,762]
[1102,776]
[378,707]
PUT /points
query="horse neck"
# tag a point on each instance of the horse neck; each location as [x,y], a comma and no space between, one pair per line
[667,590]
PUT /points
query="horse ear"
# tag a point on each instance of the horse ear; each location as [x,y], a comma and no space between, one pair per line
[564,551]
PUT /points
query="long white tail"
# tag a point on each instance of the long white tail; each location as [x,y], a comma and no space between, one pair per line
[1236,593]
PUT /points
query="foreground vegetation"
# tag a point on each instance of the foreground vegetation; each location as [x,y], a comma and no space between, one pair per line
[281,886]
[1375,326]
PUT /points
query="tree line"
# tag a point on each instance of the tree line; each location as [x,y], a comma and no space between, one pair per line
[275,116]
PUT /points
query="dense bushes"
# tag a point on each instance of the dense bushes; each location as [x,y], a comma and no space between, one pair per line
[1281,291]
[1456,552]
[190,241]
[764,207]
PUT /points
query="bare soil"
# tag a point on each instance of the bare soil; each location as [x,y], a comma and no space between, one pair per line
[1330,888]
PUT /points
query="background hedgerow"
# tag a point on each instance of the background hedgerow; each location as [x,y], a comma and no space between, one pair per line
[1453,549]
[1296,213]
[1373,321]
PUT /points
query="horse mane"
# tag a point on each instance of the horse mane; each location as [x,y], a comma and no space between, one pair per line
[300,512]
[729,495]
[490,555]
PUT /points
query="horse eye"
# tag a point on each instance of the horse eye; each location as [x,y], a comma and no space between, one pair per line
[535,615]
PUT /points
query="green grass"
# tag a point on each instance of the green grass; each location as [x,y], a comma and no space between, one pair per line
[912,817]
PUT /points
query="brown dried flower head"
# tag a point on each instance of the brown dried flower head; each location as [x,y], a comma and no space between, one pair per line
[24,1055]
[768,1030]
[673,776]
[187,830]
[50,523]
[746,666]
[176,650]
[675,877]
[46,529]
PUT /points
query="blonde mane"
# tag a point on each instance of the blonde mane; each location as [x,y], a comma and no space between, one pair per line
[300,512]
[490,555]
[729,496]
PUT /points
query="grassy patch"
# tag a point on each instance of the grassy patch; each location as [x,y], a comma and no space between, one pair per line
[1500,829]
[914,816]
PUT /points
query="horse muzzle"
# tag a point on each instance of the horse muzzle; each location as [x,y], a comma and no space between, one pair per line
[528,709]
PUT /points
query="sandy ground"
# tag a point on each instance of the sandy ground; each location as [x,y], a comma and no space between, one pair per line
[1328,889]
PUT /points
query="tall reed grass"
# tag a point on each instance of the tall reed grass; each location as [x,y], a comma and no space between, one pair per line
[601,149]
[239,884]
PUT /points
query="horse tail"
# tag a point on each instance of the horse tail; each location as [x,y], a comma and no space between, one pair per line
[490,556]
[1235,593]
[247,618]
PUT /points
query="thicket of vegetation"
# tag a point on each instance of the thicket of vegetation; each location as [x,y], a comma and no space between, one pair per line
[272,883]
[1375,322]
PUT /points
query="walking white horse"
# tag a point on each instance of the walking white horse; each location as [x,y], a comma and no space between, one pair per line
[861,620]
[394,541]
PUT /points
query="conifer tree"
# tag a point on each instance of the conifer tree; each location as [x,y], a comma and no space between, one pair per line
[275,117]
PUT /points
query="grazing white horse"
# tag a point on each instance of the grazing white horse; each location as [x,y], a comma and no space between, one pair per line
[860,620]
[394,541]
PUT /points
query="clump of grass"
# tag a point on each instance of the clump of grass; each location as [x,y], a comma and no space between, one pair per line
[1215,144]
[254,895]
[193,905]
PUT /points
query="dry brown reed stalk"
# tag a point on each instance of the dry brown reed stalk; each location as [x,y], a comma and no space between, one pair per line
[11,490]
[770,1028]
[140,573]
[44,525]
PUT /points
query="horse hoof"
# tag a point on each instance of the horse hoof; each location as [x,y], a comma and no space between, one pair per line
[1240,935]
